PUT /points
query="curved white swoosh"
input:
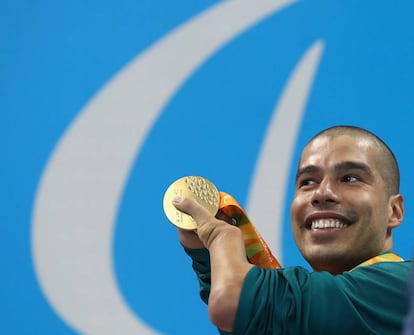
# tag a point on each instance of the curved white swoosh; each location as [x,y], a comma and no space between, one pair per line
[78,196]
[266,197]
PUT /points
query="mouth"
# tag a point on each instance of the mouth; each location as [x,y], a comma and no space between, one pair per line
[324,221]
[328,223]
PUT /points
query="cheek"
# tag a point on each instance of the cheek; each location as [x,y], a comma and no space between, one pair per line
[297,210]
[297,207]
[293,206]
[367,205]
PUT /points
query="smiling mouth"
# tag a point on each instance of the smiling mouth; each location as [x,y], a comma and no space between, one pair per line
[328,224]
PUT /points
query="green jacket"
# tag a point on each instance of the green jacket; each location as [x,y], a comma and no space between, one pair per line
[368,300]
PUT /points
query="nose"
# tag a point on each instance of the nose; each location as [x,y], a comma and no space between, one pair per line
[325,194]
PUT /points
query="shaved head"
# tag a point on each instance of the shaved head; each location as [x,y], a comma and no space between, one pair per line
[386,162]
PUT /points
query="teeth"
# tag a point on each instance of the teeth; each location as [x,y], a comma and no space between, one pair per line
[327,223]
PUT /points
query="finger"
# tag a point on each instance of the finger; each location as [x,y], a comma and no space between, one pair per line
[192,208]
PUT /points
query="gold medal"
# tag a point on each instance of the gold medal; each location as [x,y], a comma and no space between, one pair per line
[207,195]
[196,187]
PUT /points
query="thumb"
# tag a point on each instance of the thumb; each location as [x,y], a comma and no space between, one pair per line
[191,207]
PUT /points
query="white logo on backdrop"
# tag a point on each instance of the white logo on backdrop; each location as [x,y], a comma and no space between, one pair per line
[79,193]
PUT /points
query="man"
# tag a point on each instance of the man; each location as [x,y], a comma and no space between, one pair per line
[344,210]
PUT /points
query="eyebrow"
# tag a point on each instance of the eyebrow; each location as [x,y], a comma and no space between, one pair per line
[340,167]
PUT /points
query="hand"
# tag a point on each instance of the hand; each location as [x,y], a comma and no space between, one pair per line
[208,226]
[190,239]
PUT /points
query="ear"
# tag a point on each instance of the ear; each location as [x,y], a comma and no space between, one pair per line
[396,210]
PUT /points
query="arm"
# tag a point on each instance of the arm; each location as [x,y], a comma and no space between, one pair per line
[229,265]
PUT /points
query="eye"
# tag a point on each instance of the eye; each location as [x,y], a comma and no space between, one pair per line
[350,178]
[306,182]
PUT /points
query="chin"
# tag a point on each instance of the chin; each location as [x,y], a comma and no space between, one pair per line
[325,260]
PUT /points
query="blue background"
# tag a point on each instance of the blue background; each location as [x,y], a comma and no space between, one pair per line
[56,55]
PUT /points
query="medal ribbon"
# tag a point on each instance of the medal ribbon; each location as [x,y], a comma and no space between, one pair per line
[257,250]
[388,257]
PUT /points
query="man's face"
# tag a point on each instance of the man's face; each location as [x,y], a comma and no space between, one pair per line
[340,211]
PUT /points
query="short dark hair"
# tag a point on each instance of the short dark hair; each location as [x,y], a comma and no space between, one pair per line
[387,164]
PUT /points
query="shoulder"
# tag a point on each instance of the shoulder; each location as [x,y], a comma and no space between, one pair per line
[399,270]
[382,276]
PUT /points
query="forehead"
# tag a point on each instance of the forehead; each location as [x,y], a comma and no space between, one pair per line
[326,151]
